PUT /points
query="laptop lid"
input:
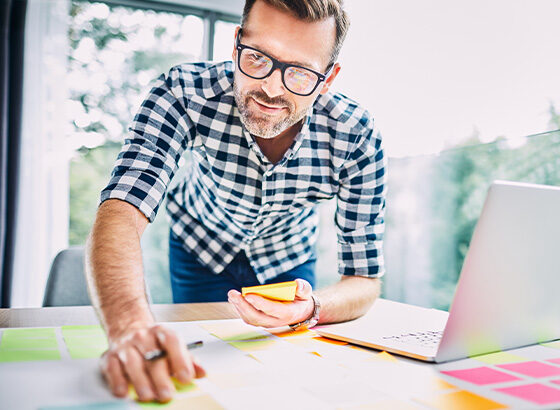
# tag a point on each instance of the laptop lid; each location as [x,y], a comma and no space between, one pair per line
[506,294]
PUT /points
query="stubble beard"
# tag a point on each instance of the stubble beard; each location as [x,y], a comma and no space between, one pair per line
[260,124]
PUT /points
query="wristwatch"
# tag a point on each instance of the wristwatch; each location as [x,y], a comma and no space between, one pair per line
[312,320]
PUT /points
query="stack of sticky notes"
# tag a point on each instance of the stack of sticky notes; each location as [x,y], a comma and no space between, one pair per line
[19,345]
[84,342]
[284,291]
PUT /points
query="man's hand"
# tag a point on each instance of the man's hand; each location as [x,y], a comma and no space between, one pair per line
[124,363]
[259,311]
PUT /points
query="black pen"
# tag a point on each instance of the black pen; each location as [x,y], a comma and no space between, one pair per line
[158,353]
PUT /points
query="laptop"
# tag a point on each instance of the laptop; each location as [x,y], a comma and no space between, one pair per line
[508,294]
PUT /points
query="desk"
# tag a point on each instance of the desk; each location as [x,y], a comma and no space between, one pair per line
[85,315]
[271,372]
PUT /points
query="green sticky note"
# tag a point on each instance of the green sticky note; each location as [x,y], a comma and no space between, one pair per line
[251,345]
[28,355]
[499,358]
[12,343]
[82,331]
[86,352]
[86,341]
[184,388]
[40,333]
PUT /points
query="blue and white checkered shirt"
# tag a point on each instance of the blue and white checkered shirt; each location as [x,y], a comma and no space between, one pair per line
[233,198]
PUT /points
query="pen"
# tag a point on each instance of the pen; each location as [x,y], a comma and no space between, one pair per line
[158,353]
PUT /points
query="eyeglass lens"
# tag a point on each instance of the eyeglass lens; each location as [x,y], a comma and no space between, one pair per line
[257,65]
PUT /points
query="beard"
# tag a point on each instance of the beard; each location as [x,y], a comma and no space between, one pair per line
[258,123]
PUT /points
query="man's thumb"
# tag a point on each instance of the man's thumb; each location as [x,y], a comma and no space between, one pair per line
[304,289]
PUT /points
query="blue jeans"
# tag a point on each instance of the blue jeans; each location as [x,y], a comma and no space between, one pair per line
[193,282]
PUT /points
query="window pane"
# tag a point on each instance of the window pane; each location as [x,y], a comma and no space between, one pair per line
[224,40]
[115,54]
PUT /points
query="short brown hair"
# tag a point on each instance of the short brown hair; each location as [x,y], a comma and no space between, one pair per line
[311,10]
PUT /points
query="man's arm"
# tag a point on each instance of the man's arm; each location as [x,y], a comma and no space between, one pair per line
[114,268]
[115,281]
[347,299]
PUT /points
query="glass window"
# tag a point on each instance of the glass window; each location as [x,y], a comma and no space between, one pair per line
[224,40]
[115,53]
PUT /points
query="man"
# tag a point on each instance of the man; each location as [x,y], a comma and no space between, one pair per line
[269,142]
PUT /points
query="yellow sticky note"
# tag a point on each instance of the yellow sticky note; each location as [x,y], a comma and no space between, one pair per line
[284,291]
[461,400]
[388,357]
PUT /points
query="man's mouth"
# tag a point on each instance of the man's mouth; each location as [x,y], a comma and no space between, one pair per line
[266,108]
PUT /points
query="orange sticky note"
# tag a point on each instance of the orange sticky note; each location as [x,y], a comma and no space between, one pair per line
[461,400]
[284,291]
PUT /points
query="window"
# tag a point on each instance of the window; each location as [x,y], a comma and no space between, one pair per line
[456,90]
[98,61]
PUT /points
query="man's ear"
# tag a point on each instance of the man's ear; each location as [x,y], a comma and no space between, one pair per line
[234,39]
[328,82]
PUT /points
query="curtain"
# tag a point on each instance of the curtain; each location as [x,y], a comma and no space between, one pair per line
[12,21]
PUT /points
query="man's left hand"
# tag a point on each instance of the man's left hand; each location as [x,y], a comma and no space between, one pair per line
[259,311]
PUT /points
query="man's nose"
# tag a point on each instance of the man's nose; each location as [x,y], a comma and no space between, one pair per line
[272,85]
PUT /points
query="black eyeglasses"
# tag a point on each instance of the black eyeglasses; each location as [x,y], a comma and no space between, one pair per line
[256,64]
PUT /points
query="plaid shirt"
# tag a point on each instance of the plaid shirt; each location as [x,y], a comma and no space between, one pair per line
[233,198]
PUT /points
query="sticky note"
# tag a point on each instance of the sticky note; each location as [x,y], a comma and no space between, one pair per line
[481,375]
[288,332]
[284,291]
[388,357]
[231,330]
[499,358]
[252,345]
[40,333]
[82,331]
[28,355]
[532,369]
[555,381]
[535,393]
[460,400]
[12,343]
[202,402]
[330,341]
[555,361]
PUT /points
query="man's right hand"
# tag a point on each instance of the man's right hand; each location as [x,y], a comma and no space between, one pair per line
[123,363]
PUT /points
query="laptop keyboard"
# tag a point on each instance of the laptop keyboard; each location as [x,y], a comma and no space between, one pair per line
[425,339]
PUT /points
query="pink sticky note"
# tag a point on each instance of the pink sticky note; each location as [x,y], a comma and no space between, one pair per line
[555,361]
[555,381]
[481,375]
[533,369]
[536,393]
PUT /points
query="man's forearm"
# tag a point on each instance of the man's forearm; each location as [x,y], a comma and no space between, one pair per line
[114,268]
[347,299]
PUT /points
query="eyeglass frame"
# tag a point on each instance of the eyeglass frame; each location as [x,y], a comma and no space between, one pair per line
[278,64]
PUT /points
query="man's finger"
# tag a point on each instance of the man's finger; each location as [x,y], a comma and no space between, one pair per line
[114,374]
[270,307]
[133,364]
[251,315]
[304,289]
[158,371]
[179,359]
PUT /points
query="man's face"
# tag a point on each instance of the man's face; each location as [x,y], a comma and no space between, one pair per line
[267,108]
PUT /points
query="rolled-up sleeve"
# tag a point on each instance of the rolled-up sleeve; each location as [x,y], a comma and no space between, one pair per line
[157,137]
[360,209]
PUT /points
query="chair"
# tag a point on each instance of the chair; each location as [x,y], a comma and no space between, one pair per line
[66,285]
